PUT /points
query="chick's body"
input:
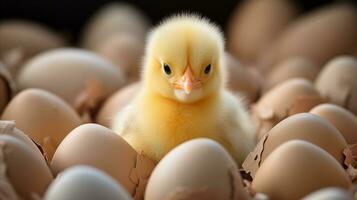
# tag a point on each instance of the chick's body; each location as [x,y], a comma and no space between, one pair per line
[183,94]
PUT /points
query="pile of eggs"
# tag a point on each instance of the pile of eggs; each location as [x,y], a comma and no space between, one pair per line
[297,73]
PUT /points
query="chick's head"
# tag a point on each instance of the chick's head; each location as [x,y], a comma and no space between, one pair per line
[184,59]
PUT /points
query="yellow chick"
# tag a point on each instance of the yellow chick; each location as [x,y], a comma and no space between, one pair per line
[183,94]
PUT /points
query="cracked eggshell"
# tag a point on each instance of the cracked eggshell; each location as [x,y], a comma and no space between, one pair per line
[243,80]
[297,168]
[289,97]
[24,174]
[9,128]
[116,102]
[330,193]
[256,24]
[100,147]
[197,169]
[70,73]
[319,36]
[84,182]
[114,19]
[296,67]
[337,82]
[302,126]
[341,118]
[43,116]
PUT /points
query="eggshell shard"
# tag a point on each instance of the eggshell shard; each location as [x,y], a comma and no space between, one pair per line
[114,19]
[337,82]
[9,128]
[20,40]
[243,80]
[116,102]
[296,67]
[112,155]
[17,161]
[341,118]
[329,194]
[255,24]
[125,51]
[289,97]
[286,168]
[303,126]
[197,169]
[331,28]
[48,127]
[7,87]
[84,182]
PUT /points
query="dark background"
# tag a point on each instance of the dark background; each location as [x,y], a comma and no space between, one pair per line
[69,16]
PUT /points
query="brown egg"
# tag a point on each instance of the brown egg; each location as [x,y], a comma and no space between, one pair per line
[318,36]
[20,40]
[289,97]
[255,24]
[243,80]
[125,51]
[117,102]
[296,67]
[302,126]
[114,19]
[297,168]
[9,128]
[46,118]
[341,118]
[84,182]
[7,87]
[197,169]
[100,147]
[338,83]
[24,174]
[330,193]
[80,77]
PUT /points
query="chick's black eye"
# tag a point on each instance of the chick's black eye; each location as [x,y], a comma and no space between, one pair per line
[167,69]
[208,69]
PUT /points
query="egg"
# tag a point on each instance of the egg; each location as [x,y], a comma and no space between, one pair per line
[337,82]
[303,126]
[9,128]
[24,175]
[297,168]
[84,182]
[329,193]
[295,67]
[78,76]
[21,39]
[287,98]
[255,24]
[197,169]
[341,118]
[114,19]
[243,80]
[318,36]
[7,87]
[43,116]
[125,51]
[116,102]
[100,147]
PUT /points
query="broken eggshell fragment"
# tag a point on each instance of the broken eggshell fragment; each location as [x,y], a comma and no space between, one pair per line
[303,126]
[113,155]
[197,169]
[288,98]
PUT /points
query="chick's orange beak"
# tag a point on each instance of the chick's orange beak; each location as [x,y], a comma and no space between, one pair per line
[187,80]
